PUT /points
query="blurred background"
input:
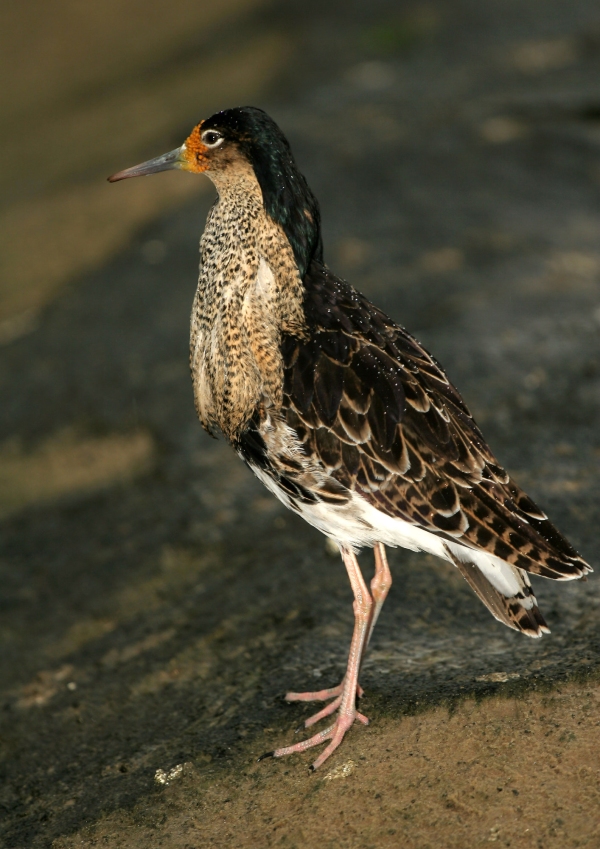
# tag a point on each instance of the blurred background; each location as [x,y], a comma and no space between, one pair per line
[92,85]
[155,601]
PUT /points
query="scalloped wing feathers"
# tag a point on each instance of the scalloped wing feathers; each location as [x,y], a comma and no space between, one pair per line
[383,420]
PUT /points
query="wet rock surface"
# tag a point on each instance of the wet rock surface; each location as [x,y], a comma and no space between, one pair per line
[157,618]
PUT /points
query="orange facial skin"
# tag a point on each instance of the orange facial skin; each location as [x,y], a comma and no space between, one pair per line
[194,157]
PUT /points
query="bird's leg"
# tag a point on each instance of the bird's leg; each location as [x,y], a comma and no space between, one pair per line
[346,701]
[380,585]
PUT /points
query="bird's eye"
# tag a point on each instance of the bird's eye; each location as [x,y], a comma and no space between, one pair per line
[212,138]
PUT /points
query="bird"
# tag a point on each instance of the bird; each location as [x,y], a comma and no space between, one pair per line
[337,409]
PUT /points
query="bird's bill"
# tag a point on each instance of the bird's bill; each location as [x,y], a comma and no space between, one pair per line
[167,162]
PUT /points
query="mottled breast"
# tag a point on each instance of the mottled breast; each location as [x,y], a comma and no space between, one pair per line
[249,292]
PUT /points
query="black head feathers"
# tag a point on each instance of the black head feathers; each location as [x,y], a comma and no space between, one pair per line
[286,195]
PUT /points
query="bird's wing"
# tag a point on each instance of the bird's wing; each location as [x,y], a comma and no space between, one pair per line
[365,398]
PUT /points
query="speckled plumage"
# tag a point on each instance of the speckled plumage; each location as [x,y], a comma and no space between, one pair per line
[338,410]
[249,292]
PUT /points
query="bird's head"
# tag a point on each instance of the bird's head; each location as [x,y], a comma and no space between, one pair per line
[229,143]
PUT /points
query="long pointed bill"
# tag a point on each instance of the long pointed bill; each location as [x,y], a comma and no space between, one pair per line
[175,159]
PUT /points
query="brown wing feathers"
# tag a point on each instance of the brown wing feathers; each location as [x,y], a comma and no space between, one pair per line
[380,413]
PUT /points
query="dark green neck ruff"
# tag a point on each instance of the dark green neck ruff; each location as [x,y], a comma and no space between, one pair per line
[286,195]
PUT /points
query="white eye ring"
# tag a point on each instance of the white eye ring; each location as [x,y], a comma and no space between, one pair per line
[215,138]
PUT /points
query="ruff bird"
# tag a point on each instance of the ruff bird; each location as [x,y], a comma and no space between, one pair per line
[338,410]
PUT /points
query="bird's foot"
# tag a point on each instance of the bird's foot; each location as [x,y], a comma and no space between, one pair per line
[335,693]
[335,734]
[322,695]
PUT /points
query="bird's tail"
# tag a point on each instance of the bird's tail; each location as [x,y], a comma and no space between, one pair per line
[503,588]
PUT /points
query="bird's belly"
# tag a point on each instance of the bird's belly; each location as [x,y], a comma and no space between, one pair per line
[356,523]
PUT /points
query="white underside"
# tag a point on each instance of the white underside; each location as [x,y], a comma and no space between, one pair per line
[358,524]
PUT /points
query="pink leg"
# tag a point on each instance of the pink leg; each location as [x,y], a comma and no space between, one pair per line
[346,701]
[380,585]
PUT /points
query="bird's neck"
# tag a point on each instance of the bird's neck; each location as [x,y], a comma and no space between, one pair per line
[249,292]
